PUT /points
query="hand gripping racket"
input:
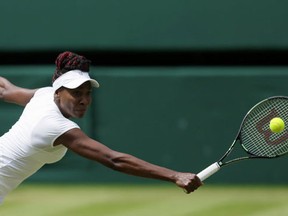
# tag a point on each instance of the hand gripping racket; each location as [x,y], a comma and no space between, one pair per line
[255,136]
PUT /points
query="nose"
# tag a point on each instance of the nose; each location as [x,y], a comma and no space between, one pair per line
[86,100]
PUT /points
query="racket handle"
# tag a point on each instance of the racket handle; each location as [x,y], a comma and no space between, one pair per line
[210,170]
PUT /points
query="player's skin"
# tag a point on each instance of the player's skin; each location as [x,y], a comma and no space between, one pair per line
[73,103]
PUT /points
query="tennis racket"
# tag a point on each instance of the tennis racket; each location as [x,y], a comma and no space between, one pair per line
[255,136]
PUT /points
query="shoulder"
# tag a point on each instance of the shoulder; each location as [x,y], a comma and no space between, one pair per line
[43,91]
[50,127]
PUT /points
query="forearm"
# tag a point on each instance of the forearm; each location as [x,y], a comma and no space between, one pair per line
[134,166]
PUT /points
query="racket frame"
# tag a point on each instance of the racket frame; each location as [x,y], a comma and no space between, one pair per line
[216,166]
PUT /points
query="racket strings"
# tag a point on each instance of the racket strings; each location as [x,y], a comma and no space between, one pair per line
[256,137]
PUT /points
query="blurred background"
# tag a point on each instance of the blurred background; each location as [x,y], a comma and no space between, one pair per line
[177,77]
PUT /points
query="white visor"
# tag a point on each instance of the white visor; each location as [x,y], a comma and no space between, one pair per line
[73,79]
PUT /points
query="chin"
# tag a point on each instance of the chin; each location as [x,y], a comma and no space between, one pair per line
[80,115]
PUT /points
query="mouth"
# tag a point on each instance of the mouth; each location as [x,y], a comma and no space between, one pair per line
[81,111]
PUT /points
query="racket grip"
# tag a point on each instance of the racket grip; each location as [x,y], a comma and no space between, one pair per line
[210,170]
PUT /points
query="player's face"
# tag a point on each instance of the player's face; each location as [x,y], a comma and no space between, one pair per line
[74,102]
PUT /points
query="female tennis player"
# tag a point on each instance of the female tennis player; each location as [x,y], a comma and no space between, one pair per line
[45,131]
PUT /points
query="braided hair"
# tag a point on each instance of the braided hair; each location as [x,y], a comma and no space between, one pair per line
[67,61]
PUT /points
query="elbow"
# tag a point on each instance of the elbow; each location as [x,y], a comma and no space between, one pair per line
[2,91]
[116,161]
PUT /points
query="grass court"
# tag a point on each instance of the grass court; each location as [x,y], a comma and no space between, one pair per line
[145,200]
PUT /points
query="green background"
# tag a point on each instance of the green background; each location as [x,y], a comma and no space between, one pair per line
[143,25]
[183,117]
[180,117]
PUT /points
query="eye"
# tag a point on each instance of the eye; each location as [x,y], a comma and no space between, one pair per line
[76,93]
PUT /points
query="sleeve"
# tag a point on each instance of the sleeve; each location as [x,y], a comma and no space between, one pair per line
[49,129]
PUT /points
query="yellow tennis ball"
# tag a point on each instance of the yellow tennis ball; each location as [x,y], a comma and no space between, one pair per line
[277,125]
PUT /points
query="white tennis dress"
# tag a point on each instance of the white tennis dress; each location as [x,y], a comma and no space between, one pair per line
[28,145]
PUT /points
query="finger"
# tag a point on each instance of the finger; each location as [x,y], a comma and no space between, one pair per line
[188,190]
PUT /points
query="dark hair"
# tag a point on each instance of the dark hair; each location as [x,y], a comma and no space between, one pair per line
[67,61]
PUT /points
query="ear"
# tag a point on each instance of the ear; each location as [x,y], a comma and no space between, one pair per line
[56,95]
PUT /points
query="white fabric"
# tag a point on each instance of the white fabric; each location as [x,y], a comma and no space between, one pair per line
[28,145]
[73,79]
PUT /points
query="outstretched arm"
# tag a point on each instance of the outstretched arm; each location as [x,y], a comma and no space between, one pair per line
[14,94]
[80,143]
